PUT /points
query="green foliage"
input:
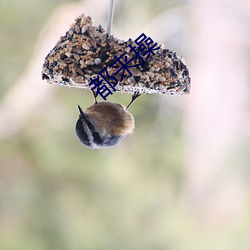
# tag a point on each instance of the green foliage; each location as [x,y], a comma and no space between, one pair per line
[57,194]
[20,24]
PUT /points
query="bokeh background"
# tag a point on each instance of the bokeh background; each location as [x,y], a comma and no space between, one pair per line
[180,182]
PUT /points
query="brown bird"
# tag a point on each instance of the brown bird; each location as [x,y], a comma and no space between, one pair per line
[104,124]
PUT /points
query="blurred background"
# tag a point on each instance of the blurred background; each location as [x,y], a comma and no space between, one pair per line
[180,182]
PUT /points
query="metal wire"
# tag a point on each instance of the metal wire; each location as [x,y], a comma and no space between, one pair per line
[110,15]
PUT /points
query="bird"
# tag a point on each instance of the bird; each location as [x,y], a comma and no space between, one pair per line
[104,124]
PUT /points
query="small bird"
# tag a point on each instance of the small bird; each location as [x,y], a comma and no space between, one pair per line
[104,124]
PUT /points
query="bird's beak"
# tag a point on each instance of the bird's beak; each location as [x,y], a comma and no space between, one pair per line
[82,115]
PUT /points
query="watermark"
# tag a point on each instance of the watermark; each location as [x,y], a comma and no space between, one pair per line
[102,85]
